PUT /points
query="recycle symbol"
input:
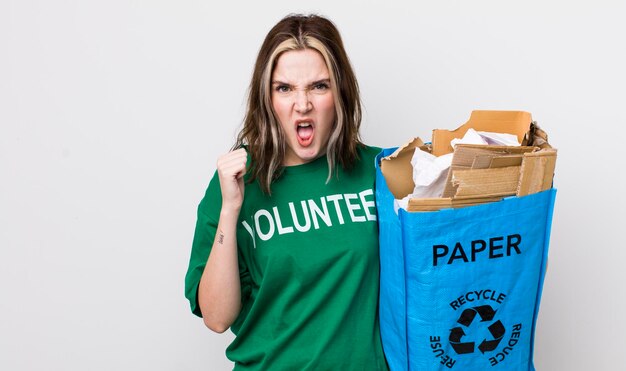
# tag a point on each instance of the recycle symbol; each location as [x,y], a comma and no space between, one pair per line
[486,314]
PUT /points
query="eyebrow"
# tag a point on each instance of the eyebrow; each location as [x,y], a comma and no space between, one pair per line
[278,82]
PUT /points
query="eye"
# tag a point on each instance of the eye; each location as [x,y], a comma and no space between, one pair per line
[282,88]
[321,86]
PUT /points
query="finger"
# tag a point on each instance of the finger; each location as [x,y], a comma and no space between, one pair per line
[232,171]
[232,162]
[235,156]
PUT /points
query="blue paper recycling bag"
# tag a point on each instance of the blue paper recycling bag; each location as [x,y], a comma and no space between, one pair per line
[460,288]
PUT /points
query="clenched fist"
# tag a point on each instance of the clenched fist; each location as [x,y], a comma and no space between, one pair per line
[231,168]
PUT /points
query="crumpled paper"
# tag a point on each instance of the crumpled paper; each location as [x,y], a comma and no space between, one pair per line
[430,172]
[484,137]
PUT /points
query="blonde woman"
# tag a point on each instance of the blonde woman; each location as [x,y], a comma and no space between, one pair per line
[285,251]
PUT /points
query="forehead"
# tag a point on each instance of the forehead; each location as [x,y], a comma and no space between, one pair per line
[300,66]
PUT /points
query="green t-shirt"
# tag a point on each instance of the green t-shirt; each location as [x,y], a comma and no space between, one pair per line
[309,268]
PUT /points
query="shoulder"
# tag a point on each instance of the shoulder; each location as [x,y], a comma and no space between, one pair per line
[363,166]
[367,153]
[371,150]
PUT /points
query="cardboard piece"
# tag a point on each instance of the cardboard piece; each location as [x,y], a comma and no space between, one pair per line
[398,166]
[479,173]
[465,155]
[434,204]
[510,122]
[537,171]
[504,161]
[486,182]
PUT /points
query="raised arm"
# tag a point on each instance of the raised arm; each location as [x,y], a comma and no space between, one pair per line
[219,292]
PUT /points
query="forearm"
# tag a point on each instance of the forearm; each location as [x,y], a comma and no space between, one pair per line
[219,292]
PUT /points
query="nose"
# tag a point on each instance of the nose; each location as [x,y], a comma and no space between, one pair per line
[302,103]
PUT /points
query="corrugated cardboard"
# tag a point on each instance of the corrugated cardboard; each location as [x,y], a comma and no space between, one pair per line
[398,167]
[510,122]
[537,171]
[501,161]
[501,181]
[468,156]
[479,173]
[434,204]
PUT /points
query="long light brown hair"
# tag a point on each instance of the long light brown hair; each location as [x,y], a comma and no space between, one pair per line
[262,133]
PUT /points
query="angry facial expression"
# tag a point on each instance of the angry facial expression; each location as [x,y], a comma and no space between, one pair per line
[304,104]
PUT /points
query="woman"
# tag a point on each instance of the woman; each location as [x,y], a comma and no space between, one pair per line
[285,250]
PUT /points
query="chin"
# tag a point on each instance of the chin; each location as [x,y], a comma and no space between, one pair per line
[305,155]
[309,155]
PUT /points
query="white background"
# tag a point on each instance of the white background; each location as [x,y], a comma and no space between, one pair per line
[112,114]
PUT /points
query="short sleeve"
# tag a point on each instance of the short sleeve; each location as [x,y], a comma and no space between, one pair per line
[204,235]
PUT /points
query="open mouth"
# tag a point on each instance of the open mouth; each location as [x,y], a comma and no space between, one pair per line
[304,132]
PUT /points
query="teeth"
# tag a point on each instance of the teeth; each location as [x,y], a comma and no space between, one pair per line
[304,125]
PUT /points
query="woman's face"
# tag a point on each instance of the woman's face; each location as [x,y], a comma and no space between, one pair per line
[303,101]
